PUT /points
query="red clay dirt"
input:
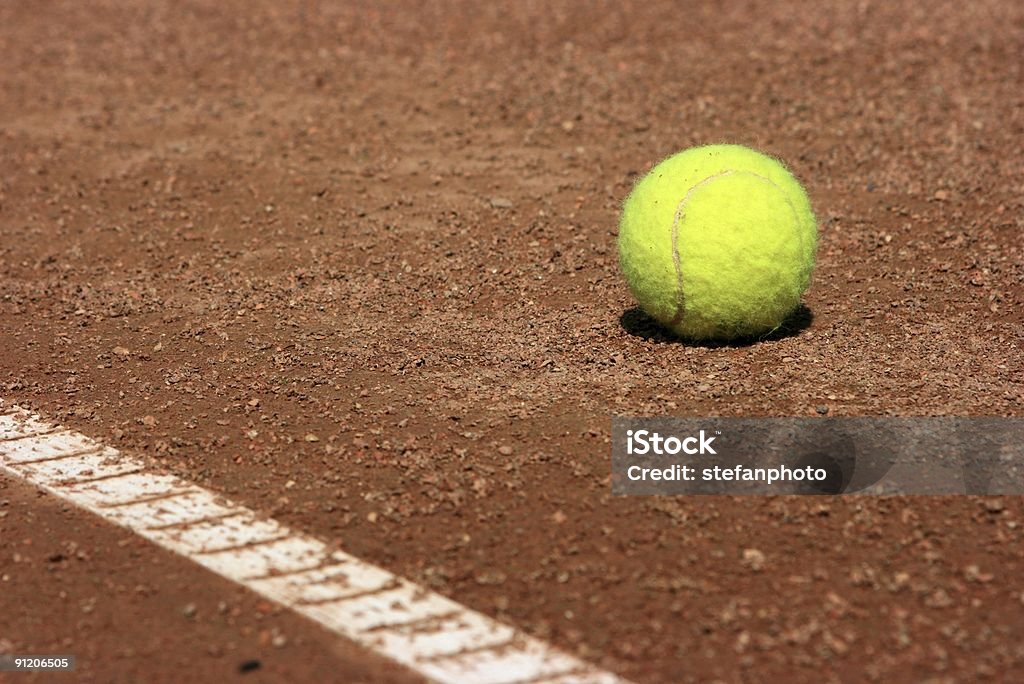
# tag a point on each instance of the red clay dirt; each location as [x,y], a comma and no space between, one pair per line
[354,265]
[129,612]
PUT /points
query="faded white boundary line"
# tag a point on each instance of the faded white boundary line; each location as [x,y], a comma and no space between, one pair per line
[428,633]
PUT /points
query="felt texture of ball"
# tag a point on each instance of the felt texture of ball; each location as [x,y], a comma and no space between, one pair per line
[718,242]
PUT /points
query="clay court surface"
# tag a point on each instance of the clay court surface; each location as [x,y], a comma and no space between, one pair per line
[353,265]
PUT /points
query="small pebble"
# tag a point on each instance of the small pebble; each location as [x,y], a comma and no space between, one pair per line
[754,559]
[249,665]
[994,506]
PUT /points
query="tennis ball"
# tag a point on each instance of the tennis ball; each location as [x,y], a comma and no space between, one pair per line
[718,242]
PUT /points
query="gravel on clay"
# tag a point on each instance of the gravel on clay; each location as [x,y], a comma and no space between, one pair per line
[129,612]
[354,265]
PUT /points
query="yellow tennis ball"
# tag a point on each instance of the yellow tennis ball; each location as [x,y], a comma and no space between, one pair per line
[718,242]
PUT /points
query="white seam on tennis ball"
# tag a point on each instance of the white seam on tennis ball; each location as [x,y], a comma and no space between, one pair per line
[676,262]
[678,218]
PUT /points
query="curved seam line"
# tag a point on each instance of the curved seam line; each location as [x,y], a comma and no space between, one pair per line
[680,215]
[676,261]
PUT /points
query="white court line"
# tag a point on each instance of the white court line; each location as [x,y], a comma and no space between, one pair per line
[428,633]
